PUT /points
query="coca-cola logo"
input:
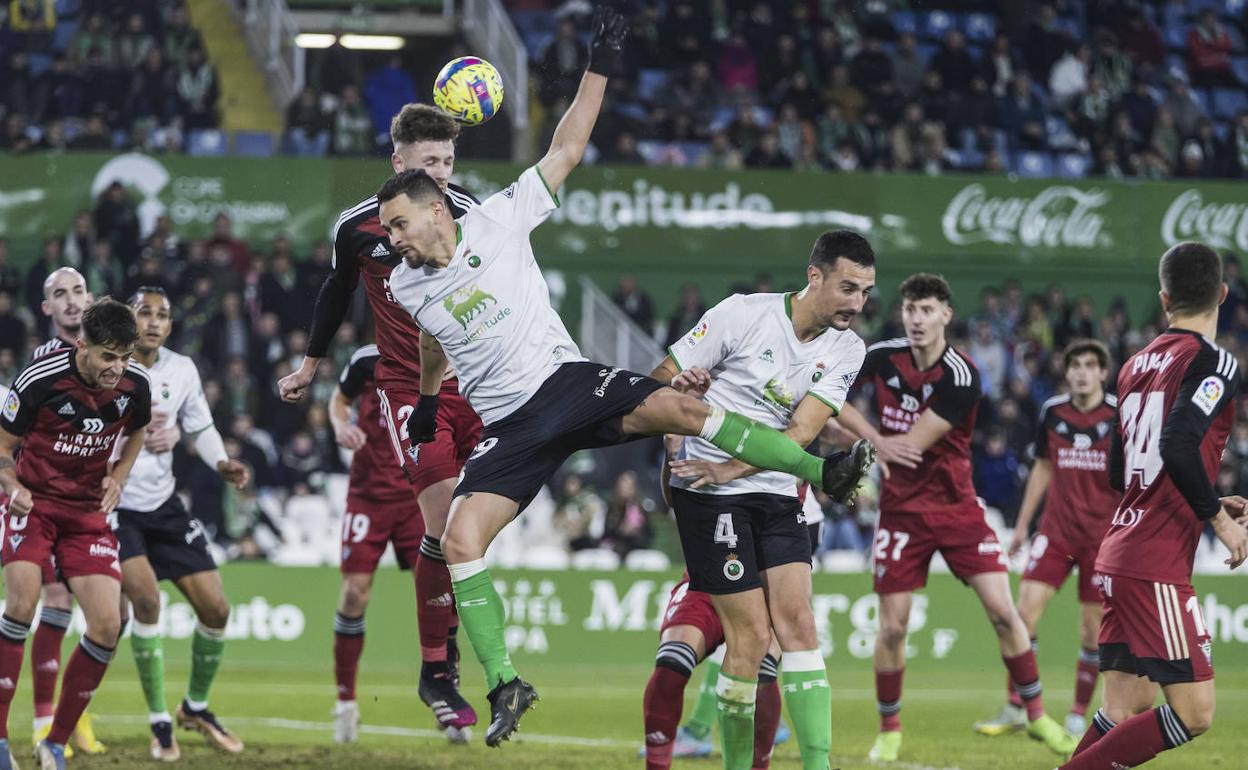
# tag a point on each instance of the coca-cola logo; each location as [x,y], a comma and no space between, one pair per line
[1221,225]
[1058,217]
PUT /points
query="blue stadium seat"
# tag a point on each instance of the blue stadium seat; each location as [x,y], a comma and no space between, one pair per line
[937,23]
[1227,103]
[66,9]
[1073,165]
[904,21]
[927,51]
[1240,66]
[967,160]
[1235,9]
[1222,130]
[1033,164]
[1237,38]
[535,42]
[1176,65]
[1172,14]
[1071,26]
[39,64]
[253,144]
[651,82]
[1175,35]
[207,142]
[1195,7]
[980,27]
[64,32]
[1202,99]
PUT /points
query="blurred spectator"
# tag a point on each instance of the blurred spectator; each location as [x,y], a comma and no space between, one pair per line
[635,302]
[153,90]
[198,91]
[871,68]
[1069,79]
[134,44]
[1044,42]
[117,222]
[1209,49]
[223,237]
[625,151]
[688,312]
[768,153]
[353,128]
[908,65]
[844,94]
[1001,65]
[92,39]
[738,68]
[104,274]
[32,290]
[1022,116]
[627,526]
[997,474]
[386,90]
[180,38]
[990,356]
[562,64]
[10,278]
[1183,106]
[1141,41]
[1111,65]
[954,62]
[12,329]
[16,138]
[721,154]
[1140,107]
[1240,141]
[33,21]
[307,128]
[579,515]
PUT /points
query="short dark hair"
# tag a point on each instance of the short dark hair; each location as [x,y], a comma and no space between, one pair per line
[422,123]
[837,244]
[108,322]
[415,183]
[137,297]
[1081,347]
[1191,274]
[924,285]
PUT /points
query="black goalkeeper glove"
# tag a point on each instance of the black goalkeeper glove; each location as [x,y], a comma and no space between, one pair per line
[609,28]
[422,423]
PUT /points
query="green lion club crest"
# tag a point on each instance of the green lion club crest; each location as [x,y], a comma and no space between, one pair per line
[778,393]
[468,303]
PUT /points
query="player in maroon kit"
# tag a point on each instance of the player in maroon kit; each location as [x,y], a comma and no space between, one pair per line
[1071,450]
[926,396]
[65,298]
[379,511]
[68,411]
[424,138]
[1175,411]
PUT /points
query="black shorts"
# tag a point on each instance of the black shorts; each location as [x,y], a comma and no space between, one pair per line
[580,406]
[729,540]
[174,542]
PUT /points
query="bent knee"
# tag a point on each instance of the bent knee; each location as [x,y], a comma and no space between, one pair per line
[1197,720]
[146,608]
[215,615]
[893,634]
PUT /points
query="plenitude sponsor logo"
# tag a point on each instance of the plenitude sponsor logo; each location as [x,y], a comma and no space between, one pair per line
[1059,216]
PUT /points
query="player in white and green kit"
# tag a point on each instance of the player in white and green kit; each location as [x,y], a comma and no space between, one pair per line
[160,540]
[475,290]
[786,361]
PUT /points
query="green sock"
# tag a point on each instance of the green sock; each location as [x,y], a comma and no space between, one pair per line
[703,716]
[482,616]
[736,720]
[761,446]
[207,645]
[804,681]
[149,659]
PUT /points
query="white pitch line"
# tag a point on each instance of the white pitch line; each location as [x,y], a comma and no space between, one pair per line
[417,732]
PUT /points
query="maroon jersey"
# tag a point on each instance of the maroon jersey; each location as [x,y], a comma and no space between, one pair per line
[376,475]
[950,388]
[362,248]
[70,429]
[1174,415]
[1079,502]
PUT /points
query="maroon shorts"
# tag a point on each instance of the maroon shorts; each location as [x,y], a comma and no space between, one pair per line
[905,543]
[1154,630]
[458,431]
[368,527]
[693,608]
[64,544]
[1051,561]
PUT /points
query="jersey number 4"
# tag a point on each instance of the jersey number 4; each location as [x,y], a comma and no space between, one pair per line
[1143,416]
[724,531]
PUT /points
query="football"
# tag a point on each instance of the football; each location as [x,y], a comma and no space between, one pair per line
[469,89]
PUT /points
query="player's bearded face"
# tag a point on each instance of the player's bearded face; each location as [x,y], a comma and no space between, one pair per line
[842,292]
[105,364]
[66,304]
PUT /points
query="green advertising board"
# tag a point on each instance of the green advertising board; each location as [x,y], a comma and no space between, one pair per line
[669,226]
[575,617]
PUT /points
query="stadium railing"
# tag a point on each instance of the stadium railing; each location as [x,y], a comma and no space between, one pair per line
[489,30]
[609,336]
[270,30]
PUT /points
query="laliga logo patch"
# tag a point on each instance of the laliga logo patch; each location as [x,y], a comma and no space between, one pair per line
[734,570]
[11,405]
[697,334]
[1206,396]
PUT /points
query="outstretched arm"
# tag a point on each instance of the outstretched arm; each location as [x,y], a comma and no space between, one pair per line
[572,134]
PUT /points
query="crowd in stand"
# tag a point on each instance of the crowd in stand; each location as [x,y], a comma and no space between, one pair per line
[1069,88]
[96,75]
